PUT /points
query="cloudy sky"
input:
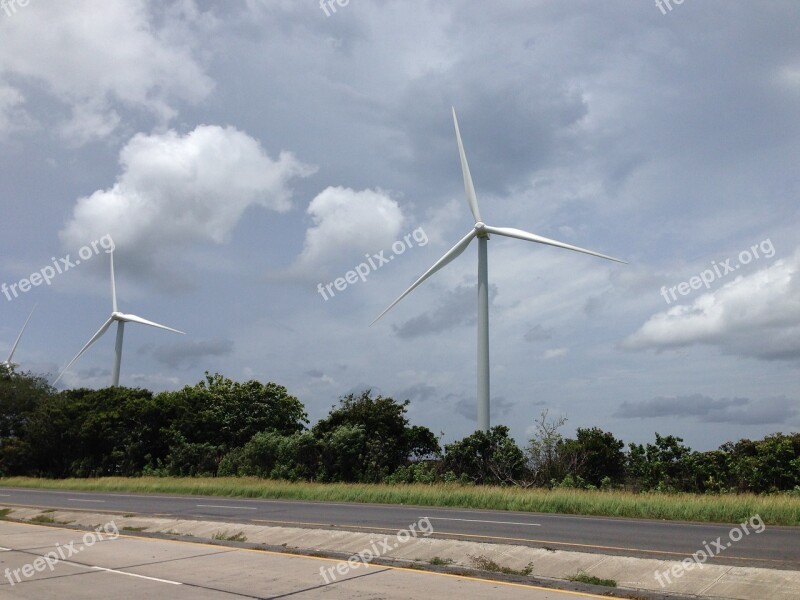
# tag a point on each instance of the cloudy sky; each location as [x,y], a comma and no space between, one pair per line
[241,153]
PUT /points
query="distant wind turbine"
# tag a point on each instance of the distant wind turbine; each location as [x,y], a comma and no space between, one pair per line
[8,362]
[482,231]
[121,319]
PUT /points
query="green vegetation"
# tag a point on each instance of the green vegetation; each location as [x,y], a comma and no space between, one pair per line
[582,577]
[438,561]
[42,519]
[485,564]
[229,537]
[226,438]
[129,528]
[4,513]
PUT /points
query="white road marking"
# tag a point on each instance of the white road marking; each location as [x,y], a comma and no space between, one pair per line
[136,575]
[482,521]
[232,507]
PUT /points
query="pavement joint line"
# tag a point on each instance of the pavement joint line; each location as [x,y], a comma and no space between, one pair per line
[322,558]
[710,585]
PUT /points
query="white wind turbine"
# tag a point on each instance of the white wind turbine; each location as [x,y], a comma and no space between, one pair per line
[7,363]
[482,231]
[121,319]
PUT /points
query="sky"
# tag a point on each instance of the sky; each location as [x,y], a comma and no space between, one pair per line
[243,157]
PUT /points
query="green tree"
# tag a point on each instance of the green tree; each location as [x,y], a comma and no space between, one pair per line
[593,456]
[378,438]
[486,458]
[227,414]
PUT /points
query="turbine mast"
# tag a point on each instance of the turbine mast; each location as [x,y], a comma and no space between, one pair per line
[483,334]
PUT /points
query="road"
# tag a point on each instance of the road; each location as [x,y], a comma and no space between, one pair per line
[131,568]
[774,547]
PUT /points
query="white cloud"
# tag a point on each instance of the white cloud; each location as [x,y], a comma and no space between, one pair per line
[757,315]
[555,353]
[12,116]
[177,189]
[90,55]
[347,223]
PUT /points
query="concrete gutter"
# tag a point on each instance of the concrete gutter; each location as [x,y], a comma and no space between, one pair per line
[635,577]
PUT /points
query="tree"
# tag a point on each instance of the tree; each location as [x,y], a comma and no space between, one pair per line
[228,414]
[545,461]
[486,458]
[593,456]
[665,465]
[20,395]
[379,438]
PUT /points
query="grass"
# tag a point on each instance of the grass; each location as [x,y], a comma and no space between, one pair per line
[439,561]
[224,536]
[127,528]
[4,513]
[778,509]
[42,519]
[582,577]
[486,564]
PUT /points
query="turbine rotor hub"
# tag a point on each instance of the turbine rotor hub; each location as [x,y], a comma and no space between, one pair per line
[480,229]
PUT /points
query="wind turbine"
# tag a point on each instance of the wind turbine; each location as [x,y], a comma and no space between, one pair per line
[7,363]
[121,319]
[481,231]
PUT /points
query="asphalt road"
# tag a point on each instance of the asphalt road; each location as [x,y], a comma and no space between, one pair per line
[774,547]
[132,568]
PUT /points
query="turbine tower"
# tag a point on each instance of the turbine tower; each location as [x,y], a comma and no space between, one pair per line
[481,231]
[121,319]
[8,362]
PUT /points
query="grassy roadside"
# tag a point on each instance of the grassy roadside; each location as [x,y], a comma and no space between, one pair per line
[774,510]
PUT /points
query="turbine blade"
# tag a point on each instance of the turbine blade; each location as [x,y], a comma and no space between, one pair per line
[451,255]
[19,337]
[532,237]
[113,285]
[468,187]
[95,337]
[135,319]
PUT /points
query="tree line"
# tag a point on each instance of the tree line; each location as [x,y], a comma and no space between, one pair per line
[219,427]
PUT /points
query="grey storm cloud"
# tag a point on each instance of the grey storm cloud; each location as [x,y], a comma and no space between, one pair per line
[458,307]
[188,353]
[740,411]
[420,391]
[537,333]
[500,406]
